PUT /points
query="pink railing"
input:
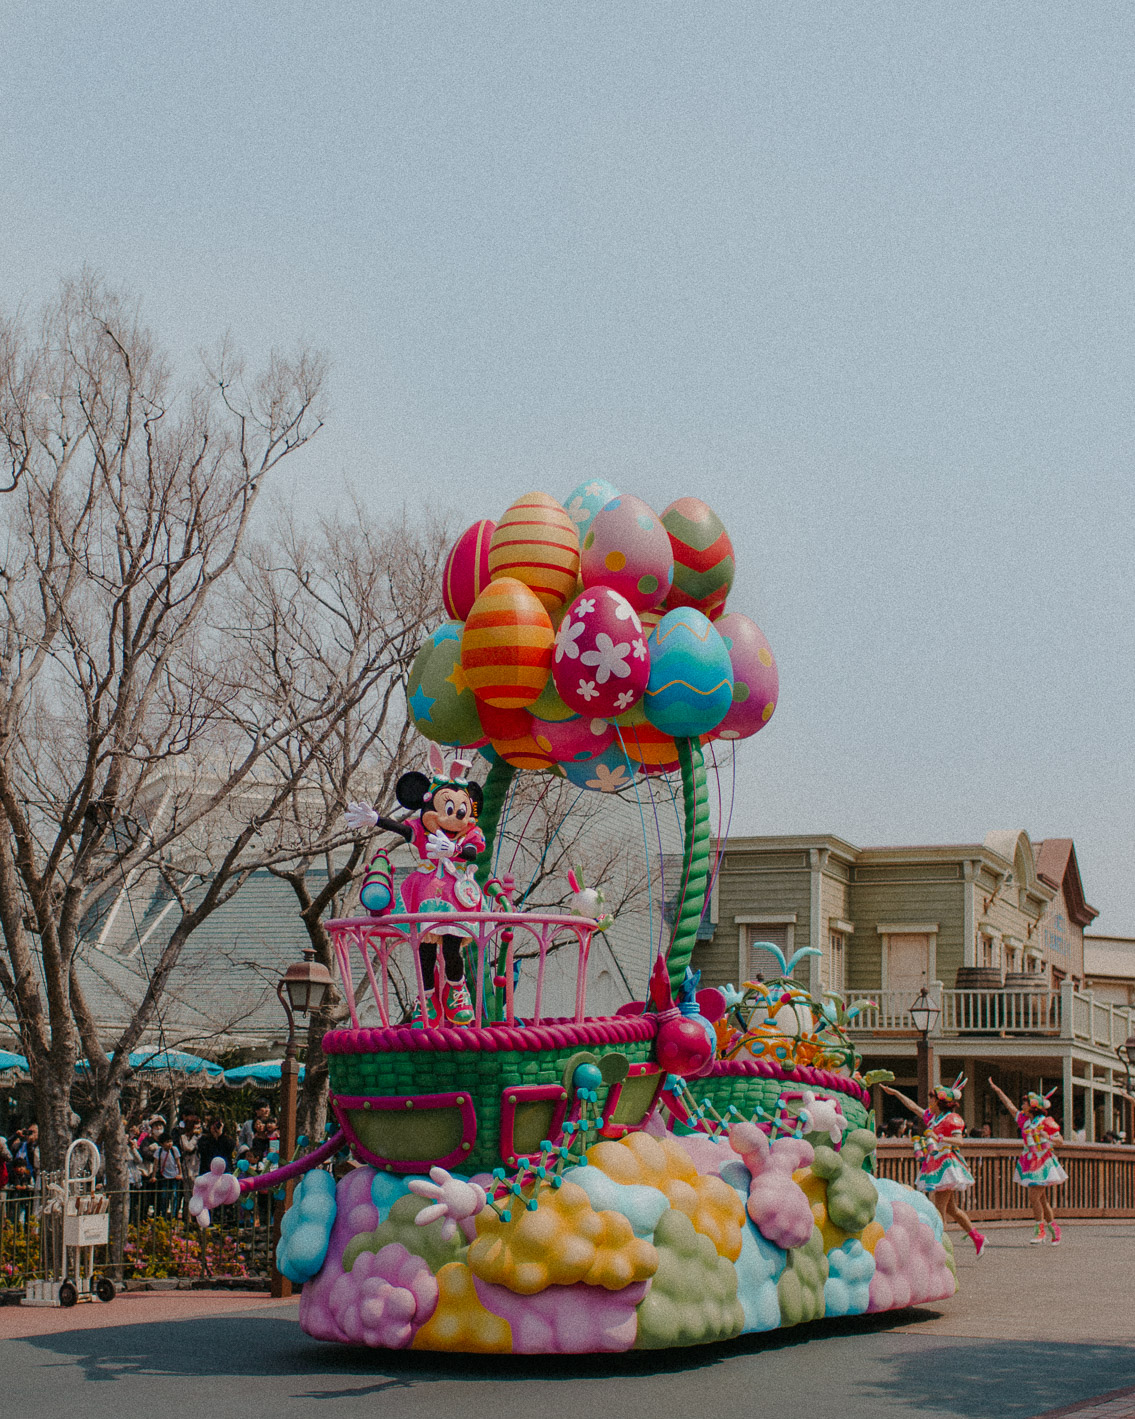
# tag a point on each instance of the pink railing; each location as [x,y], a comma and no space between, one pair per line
[374,940]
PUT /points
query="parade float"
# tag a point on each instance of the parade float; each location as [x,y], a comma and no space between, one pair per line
[695,1167]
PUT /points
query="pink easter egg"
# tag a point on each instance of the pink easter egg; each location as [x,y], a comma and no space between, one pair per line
[573,740]
[600,664]
[627,548]
[756,683]
[466,572]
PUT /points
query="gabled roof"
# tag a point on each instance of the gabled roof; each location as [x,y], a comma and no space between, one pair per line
[1056,864]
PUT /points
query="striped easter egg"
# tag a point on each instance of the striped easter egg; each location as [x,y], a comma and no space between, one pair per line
[536,543]
[506,650]
[526,753]
[703,557]
[466,572]
[654,751]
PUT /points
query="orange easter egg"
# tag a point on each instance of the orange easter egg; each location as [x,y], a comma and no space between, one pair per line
[506,649]
[536,543]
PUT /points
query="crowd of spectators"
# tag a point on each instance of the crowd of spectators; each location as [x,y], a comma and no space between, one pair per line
[162,1163]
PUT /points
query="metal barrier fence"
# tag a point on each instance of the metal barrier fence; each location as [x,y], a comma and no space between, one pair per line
[1101,1178]
[238,1245]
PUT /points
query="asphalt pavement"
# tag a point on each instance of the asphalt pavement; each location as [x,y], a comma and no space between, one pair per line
[1033,1330]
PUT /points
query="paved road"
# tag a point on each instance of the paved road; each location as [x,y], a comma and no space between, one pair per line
[1031,1332]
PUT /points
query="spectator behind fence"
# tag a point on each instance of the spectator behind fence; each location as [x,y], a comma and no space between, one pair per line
[189,1141]
[169,1176]
[262,1110]
[214,1143]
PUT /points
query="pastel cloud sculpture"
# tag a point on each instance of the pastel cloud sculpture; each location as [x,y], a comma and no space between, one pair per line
[776,1202]
[305,1232]
[847,1289]
[384,1299]
[566,1320]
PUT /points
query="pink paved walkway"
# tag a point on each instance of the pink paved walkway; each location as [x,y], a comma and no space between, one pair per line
[1119,1404]
[130,1308]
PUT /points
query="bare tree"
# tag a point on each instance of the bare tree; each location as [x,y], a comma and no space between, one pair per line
[128,500]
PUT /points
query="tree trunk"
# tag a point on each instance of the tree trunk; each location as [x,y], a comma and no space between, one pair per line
[114,1151]
[52,1084]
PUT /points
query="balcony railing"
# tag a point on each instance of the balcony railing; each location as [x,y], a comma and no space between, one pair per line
[1063,1014]
[1101,1178]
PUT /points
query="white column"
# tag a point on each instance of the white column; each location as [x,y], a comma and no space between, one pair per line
[817,858]
[1067,1128]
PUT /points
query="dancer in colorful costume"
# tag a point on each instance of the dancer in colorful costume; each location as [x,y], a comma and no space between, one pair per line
[942,1173]
[1037,1168]
[447,840]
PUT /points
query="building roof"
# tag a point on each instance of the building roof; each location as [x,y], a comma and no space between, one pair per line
[1109,957]
[1056,864]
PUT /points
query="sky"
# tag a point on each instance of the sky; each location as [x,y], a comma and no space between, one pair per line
[857,275]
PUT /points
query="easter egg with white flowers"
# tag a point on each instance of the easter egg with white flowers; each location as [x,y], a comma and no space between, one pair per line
[584,502]
[600,663]
[608,772]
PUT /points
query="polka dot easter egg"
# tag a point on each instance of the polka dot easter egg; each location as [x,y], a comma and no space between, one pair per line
[466,572]
[574,740]
[628,549]
[442,705]
[691,680]
[582,504]
[506,649]
[600,665]
[756,683]
[536,542]
[703,557]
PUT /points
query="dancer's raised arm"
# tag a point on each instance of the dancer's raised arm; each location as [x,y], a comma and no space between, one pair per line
[1005,1099]
[916,1109]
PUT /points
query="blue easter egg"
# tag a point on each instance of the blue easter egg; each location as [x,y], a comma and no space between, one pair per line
[691,678]
[586,500]
[606,773]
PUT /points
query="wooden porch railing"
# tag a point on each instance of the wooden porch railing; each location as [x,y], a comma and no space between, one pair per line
[1101,1178]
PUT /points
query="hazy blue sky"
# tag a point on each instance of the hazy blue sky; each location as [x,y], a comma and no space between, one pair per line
[858,275]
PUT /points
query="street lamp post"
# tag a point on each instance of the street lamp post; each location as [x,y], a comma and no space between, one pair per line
[301,990]
[924,1012]
[1126,1053]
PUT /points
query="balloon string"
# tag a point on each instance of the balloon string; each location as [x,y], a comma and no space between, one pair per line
[528,823]
[646,854]
[548,846]
[503,823]
[661,860]
[724,837]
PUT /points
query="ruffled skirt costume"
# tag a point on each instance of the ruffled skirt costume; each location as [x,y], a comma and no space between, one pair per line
[445,886]
[940,1167]
[1037,1166]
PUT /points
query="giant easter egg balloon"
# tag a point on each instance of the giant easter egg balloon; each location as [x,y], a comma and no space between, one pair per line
[466,571]
[441,704]
[525,753]
[628,549]
[755,680]
[573,740]
[653,751]
[691,680]
[582,504]
[504,723]
[606,773]
[703,557]
[506,651]
[601,665]
[536,542]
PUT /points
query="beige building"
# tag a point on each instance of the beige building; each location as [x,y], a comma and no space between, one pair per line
[994,931]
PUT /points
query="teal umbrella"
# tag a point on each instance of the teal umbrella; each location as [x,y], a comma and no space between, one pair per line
[170,1061]
[264,1071]
[13,1067]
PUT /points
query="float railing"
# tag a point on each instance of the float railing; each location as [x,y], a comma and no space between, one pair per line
[374,940]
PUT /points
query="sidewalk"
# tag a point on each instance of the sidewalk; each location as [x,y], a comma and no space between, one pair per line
[131,1308]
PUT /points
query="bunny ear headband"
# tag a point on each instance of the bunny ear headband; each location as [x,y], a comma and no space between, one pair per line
[951,1094]
[1041,1101]
[457,772]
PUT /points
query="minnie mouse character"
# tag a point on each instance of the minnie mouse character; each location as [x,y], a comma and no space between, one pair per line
[444,834]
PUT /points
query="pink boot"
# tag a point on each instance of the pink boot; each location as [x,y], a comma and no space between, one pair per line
[978,1240]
